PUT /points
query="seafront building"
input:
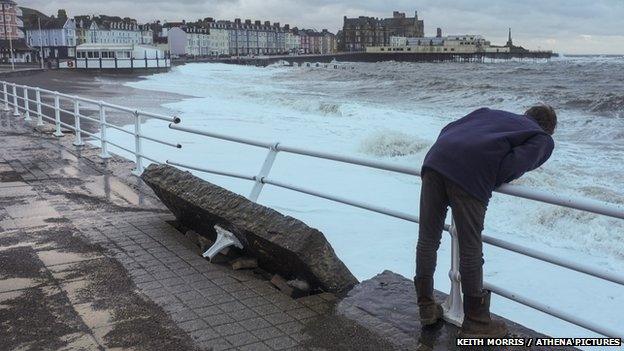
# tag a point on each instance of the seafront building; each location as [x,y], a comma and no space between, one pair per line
[255,38]
[56,38]
[292,41]
[188,40]
[460,44]
[13,22]
[359,33]
[107,56]
[218,40]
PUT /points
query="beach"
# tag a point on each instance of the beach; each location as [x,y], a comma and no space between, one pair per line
[109,87]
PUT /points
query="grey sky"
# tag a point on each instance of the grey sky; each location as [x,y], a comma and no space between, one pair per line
[567,26]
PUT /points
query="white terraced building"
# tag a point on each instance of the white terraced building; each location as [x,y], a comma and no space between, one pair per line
[97,31]
[189,41]
[56,37]
[218,39]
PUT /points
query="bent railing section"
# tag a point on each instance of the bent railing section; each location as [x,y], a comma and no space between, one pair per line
[453,311]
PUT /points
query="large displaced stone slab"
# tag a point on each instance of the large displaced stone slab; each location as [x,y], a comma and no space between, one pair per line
[281,244]
[386,305]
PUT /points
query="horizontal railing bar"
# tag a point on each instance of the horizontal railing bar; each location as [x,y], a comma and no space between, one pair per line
[593,206]
[149,158]
[67,125]
[177,146]
[588,205]
[362,205]
[90,134]
[173,119]
[46,105]
[48,118]
[350,159]
[212,171]
[94,120]
[594,272]
[121,147]
[119,128]
[66,111]
[223,136]
[568,317]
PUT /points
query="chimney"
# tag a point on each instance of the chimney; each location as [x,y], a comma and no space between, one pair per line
[237,20]
[248,21]
[258,23]
[276,24]
[439,33]
[267,23]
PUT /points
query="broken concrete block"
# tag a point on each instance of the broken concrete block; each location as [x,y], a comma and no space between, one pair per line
[282,285]
[281,244]
[244,263]
[299,284]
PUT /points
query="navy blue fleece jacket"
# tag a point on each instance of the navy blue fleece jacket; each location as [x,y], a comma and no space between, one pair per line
[487,148]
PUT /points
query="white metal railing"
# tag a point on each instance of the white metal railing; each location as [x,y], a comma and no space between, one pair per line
[54,100]
[453,311]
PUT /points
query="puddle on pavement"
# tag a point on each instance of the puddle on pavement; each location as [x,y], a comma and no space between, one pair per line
[79,341]
[10,295]
[33,208]
[94,317]
[12,284]
[55,257]
[113,190]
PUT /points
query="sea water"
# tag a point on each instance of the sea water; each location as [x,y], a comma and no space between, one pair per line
[393,112]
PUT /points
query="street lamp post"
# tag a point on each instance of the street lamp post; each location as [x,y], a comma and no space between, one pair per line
[40,41]
[4,3]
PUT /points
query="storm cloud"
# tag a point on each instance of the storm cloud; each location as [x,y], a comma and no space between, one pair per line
[567,26]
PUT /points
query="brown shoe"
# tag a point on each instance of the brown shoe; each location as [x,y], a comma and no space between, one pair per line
[477,320]
[430,312]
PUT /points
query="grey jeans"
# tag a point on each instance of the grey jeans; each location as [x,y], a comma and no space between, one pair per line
[437,194]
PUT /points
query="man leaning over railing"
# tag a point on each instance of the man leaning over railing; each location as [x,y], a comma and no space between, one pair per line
[473,156]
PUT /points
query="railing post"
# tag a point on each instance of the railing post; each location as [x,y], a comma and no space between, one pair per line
[78,138]
[16,108]
[453,306]
[26,106]
[38,99]
[264,171]
[57,115]
[6,97]
[138,170]
[104,145]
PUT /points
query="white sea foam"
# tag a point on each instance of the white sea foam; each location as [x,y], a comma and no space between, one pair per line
[292,106]
[389,143]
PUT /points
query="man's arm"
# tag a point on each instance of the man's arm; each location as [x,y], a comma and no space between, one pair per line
[525,157]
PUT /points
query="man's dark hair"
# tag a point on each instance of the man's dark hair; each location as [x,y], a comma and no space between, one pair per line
[545,116]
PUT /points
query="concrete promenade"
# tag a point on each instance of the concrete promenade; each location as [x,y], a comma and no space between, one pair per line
[89,261]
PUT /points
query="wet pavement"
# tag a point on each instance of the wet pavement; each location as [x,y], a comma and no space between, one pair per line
[90,260]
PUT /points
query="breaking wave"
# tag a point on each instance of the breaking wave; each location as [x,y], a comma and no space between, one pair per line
[392,144]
